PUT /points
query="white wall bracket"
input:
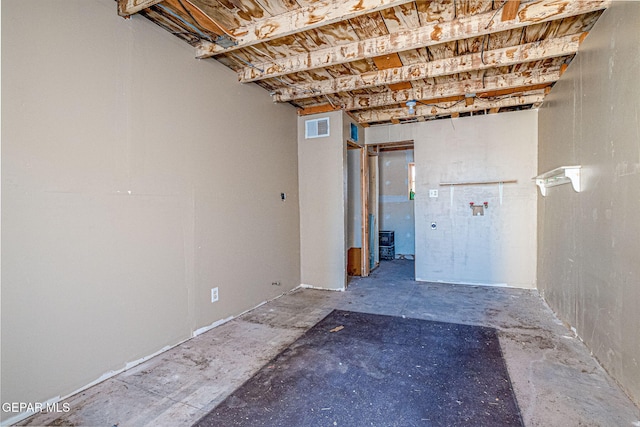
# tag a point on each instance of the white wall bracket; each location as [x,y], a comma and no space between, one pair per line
[559,176]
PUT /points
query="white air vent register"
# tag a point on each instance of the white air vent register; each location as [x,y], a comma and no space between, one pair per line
[316,128]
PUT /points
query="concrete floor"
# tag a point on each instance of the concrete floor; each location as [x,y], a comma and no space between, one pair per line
[556,381]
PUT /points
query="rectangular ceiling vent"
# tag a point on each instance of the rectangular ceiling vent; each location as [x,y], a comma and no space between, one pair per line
[316,128]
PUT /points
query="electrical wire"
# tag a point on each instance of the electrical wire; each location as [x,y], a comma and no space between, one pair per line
[278,79]
[224,30]
[296,87]
[494,15]
[330,102]
[188,24]
[261,52]
[194,20]
[486,40]
[496,98]
[225,6]
[247,63]
[441,106]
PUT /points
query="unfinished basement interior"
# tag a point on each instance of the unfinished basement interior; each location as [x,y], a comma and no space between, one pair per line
[320,212]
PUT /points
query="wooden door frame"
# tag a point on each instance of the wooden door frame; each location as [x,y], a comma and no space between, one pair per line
[364,206]
[364,209]
[371,152]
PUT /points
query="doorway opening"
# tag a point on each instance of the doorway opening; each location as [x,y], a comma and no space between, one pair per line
[396,198]
[361,210]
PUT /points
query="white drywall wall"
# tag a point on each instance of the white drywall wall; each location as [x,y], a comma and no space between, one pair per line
[329,202]
[323,205]
[498,248]
[589,242]
[134,179]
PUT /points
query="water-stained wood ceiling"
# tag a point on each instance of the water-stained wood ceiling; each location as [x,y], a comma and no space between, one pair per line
[370,57]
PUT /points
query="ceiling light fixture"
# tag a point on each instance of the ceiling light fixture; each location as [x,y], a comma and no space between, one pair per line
[412,106]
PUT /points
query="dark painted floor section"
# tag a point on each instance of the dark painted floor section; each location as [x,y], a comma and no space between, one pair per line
[357,369]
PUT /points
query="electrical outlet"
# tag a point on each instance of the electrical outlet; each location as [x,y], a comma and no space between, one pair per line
[433,193]
[214,294]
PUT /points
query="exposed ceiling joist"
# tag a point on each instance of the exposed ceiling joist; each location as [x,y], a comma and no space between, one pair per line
[510,9]
[372,116]
[529,52]
[481,24]
[370,57]
[518,80]
[320,108]
[200,18]
[314,15]
[129,7]
[391,61]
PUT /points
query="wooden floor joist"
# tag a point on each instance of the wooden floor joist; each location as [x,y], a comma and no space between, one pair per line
[311,16]
[370,116]
[535,12]
[510,9]
[323,108]
[514,82]
[561,46]
[369,58]
[130,7]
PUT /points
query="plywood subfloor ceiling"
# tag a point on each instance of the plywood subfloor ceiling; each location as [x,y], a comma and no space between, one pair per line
[371,57]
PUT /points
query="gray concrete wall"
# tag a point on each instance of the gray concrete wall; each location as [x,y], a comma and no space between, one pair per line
[135,178]
[396,210]
[323,209]
[498,248]
[589,242]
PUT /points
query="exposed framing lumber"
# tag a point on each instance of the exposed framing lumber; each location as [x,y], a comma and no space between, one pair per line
[529,52]
[393,146]
[391,61]
[530,13]
[510,9]
[518,80]
[198,17]
[317,14]
[316,109]
[130,7]
[369,116]
[364,212]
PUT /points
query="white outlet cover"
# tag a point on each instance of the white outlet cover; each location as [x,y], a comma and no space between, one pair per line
[214,294]
[433,193]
